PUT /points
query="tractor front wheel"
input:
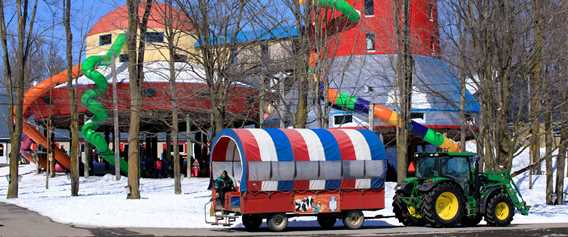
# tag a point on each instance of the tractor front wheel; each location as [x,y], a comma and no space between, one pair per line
[500,210]
[443,205]
[406,215]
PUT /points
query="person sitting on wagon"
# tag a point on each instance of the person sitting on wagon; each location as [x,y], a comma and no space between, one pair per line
[223,184]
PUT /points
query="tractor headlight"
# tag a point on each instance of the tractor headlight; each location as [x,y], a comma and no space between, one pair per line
[398,187]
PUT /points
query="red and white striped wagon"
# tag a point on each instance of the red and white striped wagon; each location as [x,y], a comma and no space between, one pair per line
[278,173]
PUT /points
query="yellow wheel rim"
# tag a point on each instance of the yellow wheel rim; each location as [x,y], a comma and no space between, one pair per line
[412,212]
[447,205]
[502,211]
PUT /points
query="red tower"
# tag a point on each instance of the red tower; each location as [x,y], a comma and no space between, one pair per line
[375,33]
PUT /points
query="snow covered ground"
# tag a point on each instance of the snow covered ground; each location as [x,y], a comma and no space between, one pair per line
[102,201]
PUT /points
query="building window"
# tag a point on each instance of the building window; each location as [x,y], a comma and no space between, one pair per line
[180,58]
[342,119]
[234,56]
[433,44]
[1,149]
[416,115]
[154,37]
[431,12]
[105,39]
[370,39]
[123,58]
[264,52]
[369,7]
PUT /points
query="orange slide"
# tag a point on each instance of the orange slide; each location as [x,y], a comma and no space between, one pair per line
[35,93]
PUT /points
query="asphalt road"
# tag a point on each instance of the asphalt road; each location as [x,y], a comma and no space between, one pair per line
[16,222]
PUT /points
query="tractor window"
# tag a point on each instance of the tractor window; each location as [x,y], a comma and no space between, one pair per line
[456,167]
[426,168]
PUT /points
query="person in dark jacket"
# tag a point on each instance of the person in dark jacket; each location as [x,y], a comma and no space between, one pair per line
[223,184]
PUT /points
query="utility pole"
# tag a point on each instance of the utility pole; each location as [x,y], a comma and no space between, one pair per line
[49,154]
[86,154]
[116,132]
[189,144]
[372,117]
[261,103]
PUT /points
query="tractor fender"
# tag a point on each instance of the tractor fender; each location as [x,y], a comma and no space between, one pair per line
[425,187]
[485,198]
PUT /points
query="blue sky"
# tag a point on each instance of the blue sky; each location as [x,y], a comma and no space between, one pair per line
[50,16]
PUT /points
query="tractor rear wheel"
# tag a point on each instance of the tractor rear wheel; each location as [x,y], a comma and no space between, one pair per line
[443,205]
[252,222]
[406,215]
[500,210]
[353,220]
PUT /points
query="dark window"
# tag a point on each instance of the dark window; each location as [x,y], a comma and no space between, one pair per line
[1,149]
[180,58]
[433,44]
[264,53]
[431,12]
[105,39]
[343,119]
[456,168]
[123,58]
[154,37]
[427,167]
[417,115]
[234,56]
[369,7]
[370,40]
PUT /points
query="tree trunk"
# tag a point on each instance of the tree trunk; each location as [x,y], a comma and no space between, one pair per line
[22,13]
[133,85]
[562,150]
[301,116]
[74,115]
[175,122]
[404,72]
[136,79]
[115,122]
[463,90]
[561,166]
[535,85]
[549,142]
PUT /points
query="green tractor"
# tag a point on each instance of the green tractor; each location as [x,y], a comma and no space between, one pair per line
[449,190]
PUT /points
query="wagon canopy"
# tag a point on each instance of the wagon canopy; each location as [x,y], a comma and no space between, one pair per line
[300,159]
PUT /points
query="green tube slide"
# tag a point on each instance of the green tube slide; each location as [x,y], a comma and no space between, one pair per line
[343,7]
[89,100]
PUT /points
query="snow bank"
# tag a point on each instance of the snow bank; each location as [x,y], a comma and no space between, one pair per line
[102,201]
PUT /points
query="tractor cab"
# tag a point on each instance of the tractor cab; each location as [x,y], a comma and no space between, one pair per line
[460,167]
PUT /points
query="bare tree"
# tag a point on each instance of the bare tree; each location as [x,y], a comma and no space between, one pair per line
[535,86]
[16,84]
[216,26]
[404,71]
[136,46]
[73,98]
[172,39]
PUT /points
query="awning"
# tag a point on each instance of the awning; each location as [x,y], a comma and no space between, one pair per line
[300,159]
